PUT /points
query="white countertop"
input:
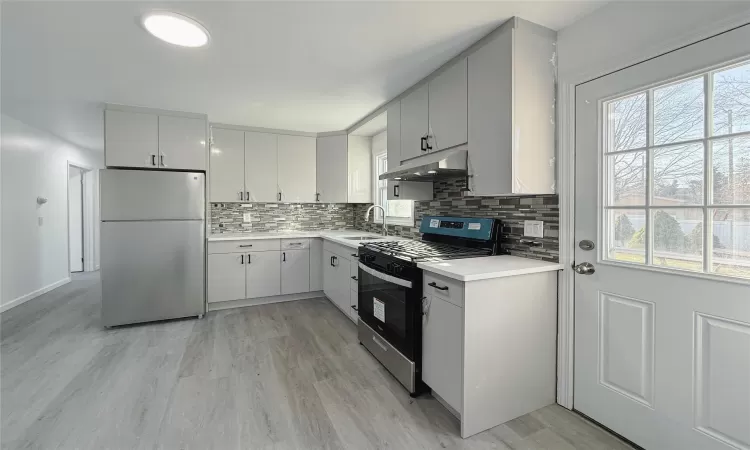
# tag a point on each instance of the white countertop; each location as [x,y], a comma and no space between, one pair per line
[473,269]
[337,236]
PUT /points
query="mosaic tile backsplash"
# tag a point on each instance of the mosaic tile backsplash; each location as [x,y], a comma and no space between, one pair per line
[449,200]
[228,217]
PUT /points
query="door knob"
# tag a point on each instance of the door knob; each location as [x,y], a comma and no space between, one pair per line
[585,268]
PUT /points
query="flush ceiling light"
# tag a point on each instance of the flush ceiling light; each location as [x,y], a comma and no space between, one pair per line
[175,29]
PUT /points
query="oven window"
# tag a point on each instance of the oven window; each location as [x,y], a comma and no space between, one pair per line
[380,299]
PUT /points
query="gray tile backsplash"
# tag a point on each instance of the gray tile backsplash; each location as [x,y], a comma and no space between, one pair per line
[228,217]
[449,200]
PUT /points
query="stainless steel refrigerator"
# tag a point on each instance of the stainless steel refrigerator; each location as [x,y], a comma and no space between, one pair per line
[152,245]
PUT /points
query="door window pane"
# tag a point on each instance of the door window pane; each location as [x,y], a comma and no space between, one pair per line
[626,123]
[627,235]
[732,100]
[731,242]
[678,238]
[679,112]
[731,171]
[678,175]
[627,179]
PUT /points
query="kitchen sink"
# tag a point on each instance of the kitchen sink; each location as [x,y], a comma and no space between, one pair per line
[362,238]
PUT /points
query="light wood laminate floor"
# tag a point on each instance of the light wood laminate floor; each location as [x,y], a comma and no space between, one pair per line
[283,376]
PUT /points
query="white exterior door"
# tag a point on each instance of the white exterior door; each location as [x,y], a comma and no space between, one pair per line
[662,327]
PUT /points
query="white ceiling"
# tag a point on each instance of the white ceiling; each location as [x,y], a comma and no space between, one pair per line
[307,66]
[373,126]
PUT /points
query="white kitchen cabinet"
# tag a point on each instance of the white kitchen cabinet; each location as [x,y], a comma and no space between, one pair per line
[401,190]
[442,349]
[261,167]
[511,111]
[414,123]
[295,271]
[263,274]
[359,169]
[131,139]
[227,169]
[226,277]
[336,281]
[447,108]
[296,157]
[316,264]
[331,166]
[182,143]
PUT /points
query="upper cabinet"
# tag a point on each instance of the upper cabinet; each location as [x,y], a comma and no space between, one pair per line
[359,169]
[447,106]
[401,190]
[131,139]
[296,156]
[182,143]
[331,166]
[414,123]
[226,181]
[145,138]
[433,116]
[511,111]
[261,167]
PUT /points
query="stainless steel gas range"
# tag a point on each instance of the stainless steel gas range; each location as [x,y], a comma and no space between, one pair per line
[390,289]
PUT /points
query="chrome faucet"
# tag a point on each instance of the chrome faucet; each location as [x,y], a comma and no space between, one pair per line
[367,217]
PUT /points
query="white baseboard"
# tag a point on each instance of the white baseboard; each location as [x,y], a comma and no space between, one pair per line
[25,298]
[263,300]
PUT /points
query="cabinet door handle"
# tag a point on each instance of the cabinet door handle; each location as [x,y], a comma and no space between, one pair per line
[355,278]
[396,190]
[240,194]
[441,288]
[247,195]
[355,255]
[161,160]
[283,257]
[248,258]
[279,197]
[317,197]
[354,307]
[331,261]
[153,160]
[422,141]
[242,259]
[334,259]
[427,141]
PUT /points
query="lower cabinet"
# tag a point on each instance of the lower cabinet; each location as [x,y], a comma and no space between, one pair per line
[226,277]
[263,274]
[317,263]
[336,281]
[442,347]
[295,271]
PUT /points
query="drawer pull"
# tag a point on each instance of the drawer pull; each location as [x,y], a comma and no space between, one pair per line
[246,245]
[441,288]
[295,243]
[355,255]
[355,278]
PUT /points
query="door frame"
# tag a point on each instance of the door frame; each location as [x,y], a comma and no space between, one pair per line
[88,239]
[566,181]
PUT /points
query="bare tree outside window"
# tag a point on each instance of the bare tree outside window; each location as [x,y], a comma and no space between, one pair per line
[656,148]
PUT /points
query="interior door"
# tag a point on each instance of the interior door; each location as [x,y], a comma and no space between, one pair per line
[261,167]
[75,219]
[227,182]
[662,292]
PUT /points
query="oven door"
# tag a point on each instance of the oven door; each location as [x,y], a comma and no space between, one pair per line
[386,305]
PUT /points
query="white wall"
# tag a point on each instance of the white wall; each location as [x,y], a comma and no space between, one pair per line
[35,163]
[379,143]
[623,33]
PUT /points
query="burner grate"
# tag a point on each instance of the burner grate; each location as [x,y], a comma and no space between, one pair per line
[421,250]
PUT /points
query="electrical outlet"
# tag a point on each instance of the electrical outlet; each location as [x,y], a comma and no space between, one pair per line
[533,228]
[246,217]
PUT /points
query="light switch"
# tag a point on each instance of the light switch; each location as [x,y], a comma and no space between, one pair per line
[246,217]
[533,228]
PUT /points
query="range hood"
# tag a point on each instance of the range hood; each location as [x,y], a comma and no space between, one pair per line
[433,166]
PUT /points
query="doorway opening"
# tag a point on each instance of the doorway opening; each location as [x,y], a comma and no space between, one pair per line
[80,219]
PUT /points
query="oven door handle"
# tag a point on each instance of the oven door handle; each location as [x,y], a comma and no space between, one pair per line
[385,277]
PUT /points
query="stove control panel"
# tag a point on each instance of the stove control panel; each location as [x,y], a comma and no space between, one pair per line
[463,227]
